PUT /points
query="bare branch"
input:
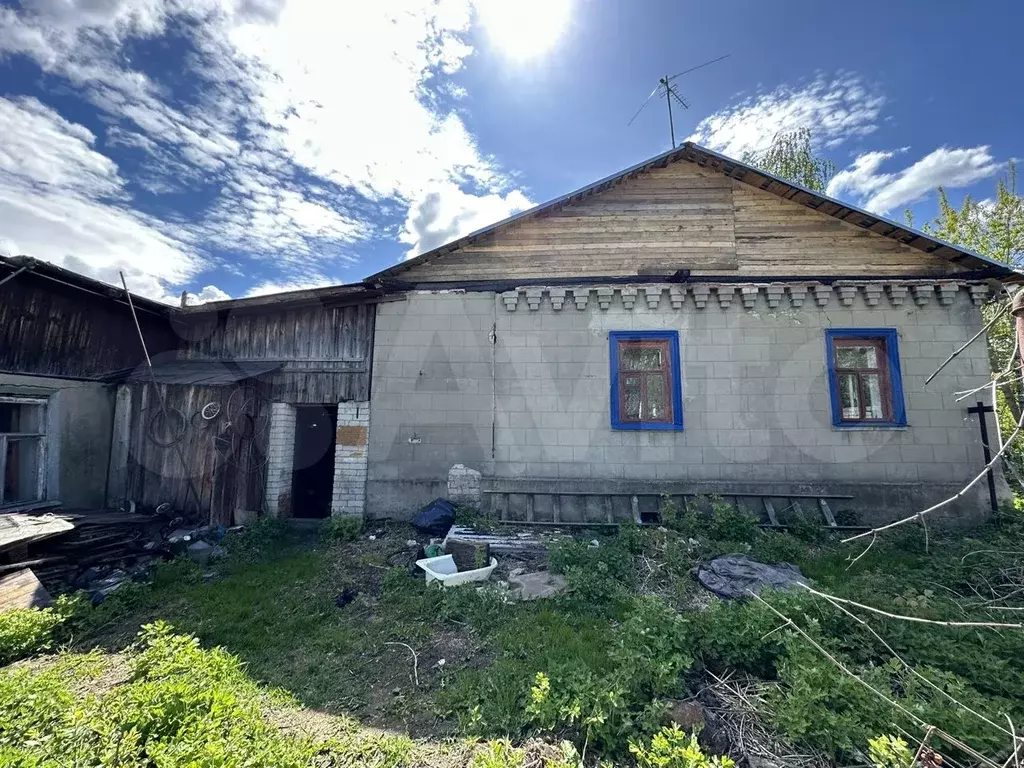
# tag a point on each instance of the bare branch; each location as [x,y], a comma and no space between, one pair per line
[974,338]
[917,619]
[415,662]
[951,499]
[894,704]
[874,537]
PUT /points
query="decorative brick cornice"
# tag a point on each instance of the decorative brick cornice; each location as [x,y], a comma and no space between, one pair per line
[753,296]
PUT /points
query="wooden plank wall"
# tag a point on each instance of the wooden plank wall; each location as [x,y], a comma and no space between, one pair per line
[326,351]
[679,217]
[48,329]
[776,236]
[224,481]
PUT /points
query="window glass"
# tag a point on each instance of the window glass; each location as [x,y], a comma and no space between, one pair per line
[632,398]
[640,358]
[849,398]
[873,407]
[21,470]
[21,417]
[657,398]
[856,357]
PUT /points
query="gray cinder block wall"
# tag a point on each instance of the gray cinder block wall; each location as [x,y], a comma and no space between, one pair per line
[535,404]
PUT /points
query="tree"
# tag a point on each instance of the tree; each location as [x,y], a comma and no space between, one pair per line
[792,157]
[993,228]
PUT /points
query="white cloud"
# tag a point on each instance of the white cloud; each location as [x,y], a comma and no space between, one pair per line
[268,287]
[309,120]
[835,110]
[62,201]
[446,213]
[208,293]
[882,192]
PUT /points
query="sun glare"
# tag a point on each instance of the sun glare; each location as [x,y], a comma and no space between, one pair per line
[524,29]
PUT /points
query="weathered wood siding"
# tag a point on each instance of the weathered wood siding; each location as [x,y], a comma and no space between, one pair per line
[225,479]
[49,329]
[325,351]
[679,217]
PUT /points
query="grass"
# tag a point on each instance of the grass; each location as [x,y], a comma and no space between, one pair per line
[597,667]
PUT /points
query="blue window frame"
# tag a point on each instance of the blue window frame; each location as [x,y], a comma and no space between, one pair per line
[646,381]
[864,379]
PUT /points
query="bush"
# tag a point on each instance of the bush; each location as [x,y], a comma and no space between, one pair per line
[890,752]
[710,517]
[341,528]
[672,748]
[26,631]
[182,705]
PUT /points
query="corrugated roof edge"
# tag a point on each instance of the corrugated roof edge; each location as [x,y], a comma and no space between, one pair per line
[30,265]
[671,156]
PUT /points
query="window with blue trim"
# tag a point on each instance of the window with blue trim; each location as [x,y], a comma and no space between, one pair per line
[865,383]
[646,382]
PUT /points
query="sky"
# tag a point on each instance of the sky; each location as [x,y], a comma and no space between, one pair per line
[231,148]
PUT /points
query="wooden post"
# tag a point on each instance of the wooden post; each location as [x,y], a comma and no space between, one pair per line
[981,409]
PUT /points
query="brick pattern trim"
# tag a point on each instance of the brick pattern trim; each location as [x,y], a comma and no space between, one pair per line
[769,296]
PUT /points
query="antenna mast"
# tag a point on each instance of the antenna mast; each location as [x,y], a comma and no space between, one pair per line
[667,88]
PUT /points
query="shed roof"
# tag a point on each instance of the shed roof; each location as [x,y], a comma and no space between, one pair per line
[16,265]
[747,174]
[211,373]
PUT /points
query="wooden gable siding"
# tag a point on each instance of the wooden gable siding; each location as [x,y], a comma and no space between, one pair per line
[678,217]
[781,237]
[324,351]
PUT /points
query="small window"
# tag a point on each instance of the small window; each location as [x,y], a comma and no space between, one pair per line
[645,380]
[22,436]
[864,378]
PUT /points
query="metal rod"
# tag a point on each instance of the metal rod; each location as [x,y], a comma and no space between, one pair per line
[163,401]
[668,100]
[14,274]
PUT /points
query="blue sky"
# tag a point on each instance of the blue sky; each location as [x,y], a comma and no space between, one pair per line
[232,147]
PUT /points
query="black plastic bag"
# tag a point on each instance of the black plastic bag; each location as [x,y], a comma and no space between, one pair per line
[436,518]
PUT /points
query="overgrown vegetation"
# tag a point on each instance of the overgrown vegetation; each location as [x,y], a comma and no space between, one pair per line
[599,667]
[180,705]
[26,631]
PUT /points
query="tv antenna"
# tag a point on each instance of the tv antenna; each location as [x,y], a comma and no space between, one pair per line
[668,89]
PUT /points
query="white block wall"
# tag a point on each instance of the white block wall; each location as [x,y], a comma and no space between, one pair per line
[350,459]
[756,397]
[280,459]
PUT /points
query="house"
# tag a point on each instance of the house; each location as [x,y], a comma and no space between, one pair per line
[689,325]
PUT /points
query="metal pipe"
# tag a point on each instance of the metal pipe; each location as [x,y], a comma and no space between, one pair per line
[14,274]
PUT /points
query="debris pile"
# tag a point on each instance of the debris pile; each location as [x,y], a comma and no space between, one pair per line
[97,551]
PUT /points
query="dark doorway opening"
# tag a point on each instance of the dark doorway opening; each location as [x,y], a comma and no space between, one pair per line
[313,472]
